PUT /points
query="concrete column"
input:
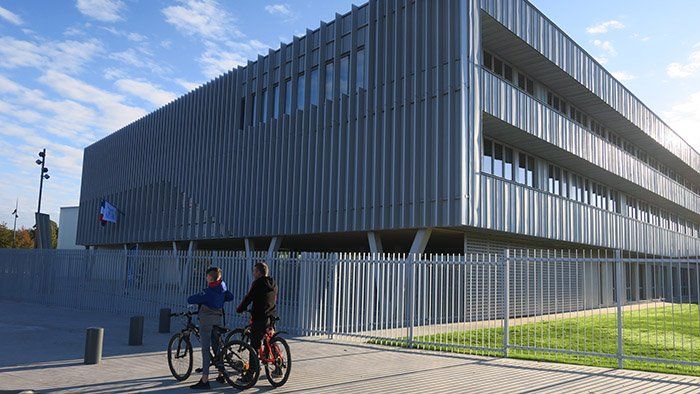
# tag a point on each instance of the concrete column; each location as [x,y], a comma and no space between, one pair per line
[375,242]
[275,244]
[420,241]
[249,250]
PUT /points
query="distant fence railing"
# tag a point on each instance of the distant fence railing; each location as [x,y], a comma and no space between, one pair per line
[572,306]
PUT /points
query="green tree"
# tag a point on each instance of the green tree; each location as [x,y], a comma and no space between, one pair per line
[5,236]
[54,234]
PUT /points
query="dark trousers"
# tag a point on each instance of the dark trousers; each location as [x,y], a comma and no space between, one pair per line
[257,332]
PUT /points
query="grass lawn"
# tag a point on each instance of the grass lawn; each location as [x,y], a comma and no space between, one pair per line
[665,332]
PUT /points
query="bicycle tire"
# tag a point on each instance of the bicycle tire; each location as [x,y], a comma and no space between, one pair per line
[286,359]
[234,347]
[230,334]
[178,339]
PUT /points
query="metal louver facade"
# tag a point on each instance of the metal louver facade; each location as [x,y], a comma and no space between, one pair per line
[375,121]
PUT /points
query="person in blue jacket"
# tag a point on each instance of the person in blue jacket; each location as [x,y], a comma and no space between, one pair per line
[211,311]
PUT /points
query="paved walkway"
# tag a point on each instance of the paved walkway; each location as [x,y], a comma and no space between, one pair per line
[42,350]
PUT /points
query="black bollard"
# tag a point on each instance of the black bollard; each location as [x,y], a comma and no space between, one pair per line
[136,331]
[164,321]
[93,345]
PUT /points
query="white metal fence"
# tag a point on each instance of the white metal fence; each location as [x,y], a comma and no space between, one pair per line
[573,306]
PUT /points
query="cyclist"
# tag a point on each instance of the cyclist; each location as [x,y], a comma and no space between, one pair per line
[211,310]
[263,296]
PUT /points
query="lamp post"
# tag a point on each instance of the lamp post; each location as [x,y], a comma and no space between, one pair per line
[42,162]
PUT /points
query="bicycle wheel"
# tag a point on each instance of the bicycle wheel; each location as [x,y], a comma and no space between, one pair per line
[278,373]
[236,333]
[240,367]
[180,356]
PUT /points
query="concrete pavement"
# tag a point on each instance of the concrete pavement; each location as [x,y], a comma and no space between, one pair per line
[42,350]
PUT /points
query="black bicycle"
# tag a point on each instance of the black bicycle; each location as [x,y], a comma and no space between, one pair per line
[274,352]
[231,357]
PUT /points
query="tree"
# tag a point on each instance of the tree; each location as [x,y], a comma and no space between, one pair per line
[24,239]
[5,236]
[54,235]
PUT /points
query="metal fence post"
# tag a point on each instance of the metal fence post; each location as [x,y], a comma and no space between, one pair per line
[412,296]
[619,291]
[330,311]
[506,301]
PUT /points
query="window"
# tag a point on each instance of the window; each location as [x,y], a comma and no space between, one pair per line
[508,72]
[314,86]
[530,86]
[288,97]
[329,81]
[264,105]
[521,81]
[276,101]
[301,91]
[564,183]
[241,114]
[498,66]
[361,68]
[498,159]
[254,109]
[344,74]
[508,169]
[488,156]
[521,175]
[531,173]
[488,60]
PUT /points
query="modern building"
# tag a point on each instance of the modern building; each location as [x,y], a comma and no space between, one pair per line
[450,124]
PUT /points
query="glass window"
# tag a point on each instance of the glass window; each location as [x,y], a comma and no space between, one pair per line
[361,68]
[530,86]
[550,178]
[508,173]
[508,72]
[314,86]
[344,74]
[276,101]
[488,156]
[557,180]
[329,81]
[264,105]
[522,168]
[521,81]
[564,183]
[288,97]
[498,66]
[586,192]
[254,103]
[488,60]
[241,114]
[531,173]
[498,160]
[301,90]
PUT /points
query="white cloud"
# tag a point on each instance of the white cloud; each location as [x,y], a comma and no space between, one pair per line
[188,85]
[606,46]
[280,9]
[116,112]
[139,58]
[203,18]
[623,76]
[218,59]
[102,10]
[683,70]
[131,36]
[10,16]
[684,118]
[604,27]
[69,55]
[146,91]
[602,60]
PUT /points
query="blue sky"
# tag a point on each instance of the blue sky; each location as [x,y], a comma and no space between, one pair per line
[72,72]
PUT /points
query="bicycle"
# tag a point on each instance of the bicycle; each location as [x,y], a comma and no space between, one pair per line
[230,357]
[269,353]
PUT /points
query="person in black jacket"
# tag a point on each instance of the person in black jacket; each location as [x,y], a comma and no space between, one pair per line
[263,296]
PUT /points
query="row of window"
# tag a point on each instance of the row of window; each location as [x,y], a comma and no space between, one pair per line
[506,71]
[649,213]
[515,165]
[260,113]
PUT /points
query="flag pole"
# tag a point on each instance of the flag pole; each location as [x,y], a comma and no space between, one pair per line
[14,228]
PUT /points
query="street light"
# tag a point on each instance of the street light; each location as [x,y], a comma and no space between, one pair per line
[42,162]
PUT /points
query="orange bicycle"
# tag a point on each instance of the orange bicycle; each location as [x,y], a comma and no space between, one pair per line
[273,353]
